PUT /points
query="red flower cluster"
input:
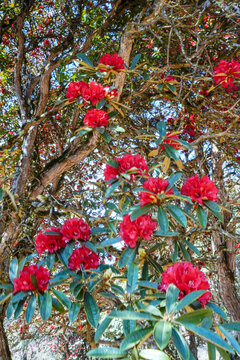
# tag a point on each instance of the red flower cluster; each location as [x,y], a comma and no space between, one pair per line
[169,139]
[49,242]
[24,282]
[111,94]
[200,189]
[93,92]
[225,72]
[85,257]
[187,279]
[131,231]
[95,118]
[170,79]
[76,229]
[157,186]
[135,163]
[114,61]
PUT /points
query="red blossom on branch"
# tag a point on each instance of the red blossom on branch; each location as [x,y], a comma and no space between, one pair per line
[187,279]
[128,162]
[131,231]
[225,72]
[114,61]
[75,89]
[94,118]
[76,229]
[24,282]
[155,185]
[49,242]
[169,139]
[96,91]
[85,257]
[199,189]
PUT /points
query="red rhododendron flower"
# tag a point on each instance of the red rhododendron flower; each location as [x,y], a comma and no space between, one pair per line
[200,189]
[135,163]
[187,279]
[237,246]
[85,257]
[76,229]
[169,139]
[24,282]
[48,242]
[97,92]
[95,118]
[75,89]
[157,186]
[111,94]
[225,72]
[131,231]
[114,61]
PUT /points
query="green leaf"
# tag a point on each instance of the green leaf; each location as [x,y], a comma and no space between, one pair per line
[132,315]
[162,129]
[140,211]
[57,305]
[129,325]
[19,309]
[211,351]
[111,188]
[180,344]
[132,276]
[109,242]
[173,179]
[117,289]
[214,208]
[46,306]
[91,310]
[62,298]
[157,266]
[85,59]
[6,286]
[184,252]
[50,260]
[19,296]
[209,336]
[152,354]
[223,354]
[161,233]
[234,326]
[135,60]
[230,338]
[163,220]
[202,217]
[107,353]
[100,104]
[195,317]
[177,214]
[114,164]
[162,333]
[189,299]
[102,327]
[217,310]
[1,193]
[106,136]
[171,152]
[34,281]
[192,247]
[171,298]
[127,257]
[30,308]
[62,275]
[5,297]
[184,143]
[134,338]
[171,87]
[73,312]
[13,269]
[10,310]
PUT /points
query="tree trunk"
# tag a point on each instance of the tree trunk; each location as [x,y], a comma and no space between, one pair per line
[4,348]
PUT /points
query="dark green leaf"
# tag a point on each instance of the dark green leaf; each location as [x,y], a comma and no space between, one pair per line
[34,281]
[106,136]
[202,217]
[163,220]
[85,59]
[57,305]
[234,326]
[46,306]
[73,312]
[161,233]
[132,276]
[171,152]
[217,310]
[10,310]
[19,296]
[107,353]
[129,325]
[171,87]
[171,298]
[135,60]
[140,211]
[173,179]
[100,104]
[13,269]
[211,351]
[50,260]
[110,242]
[62,298]
[102,327]
[184,252]
[181,345]
[111,188]
[155,264]
[177,214]
[184,143]
[90,246]
[223,354]
[195,317]
[214,208]
[30,308]
[6,286]
[209,336]
[134,338]
[162,129]
[19,309]
[132,315]
[189,299]
[230,338]
[127,257]
[162,333]
[91,310]
[192,247]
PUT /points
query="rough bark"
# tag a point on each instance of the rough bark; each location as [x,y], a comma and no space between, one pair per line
[4,349]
